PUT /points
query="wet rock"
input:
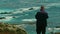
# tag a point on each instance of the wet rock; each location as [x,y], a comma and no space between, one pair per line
[31,9]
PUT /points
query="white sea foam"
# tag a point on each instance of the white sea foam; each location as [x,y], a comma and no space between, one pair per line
[8,18]
[21,10]
[48,5]
[53,4]
[31,20]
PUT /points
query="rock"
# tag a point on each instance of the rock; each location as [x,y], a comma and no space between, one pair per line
[31,9]
[11,29]
[2,17]
[6,13]
[57,33]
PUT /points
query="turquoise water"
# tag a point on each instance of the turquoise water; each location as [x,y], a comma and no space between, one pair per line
[28,15]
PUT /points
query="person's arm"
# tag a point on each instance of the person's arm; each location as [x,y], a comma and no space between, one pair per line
[36,16]
[47,15]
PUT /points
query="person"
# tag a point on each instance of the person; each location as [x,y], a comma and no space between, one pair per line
[41,21]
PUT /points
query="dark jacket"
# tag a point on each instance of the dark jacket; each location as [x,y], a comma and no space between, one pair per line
[41,19]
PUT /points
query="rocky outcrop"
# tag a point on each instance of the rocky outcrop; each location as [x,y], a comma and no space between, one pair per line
[11,29]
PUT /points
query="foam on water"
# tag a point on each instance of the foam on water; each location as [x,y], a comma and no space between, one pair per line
[22,10]
[30,20]
[8,18]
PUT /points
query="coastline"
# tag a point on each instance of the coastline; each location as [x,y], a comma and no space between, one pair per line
[8,29]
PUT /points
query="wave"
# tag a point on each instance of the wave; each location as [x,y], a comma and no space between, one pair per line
[8,18]
[53,4]
[22,10]
[30,20]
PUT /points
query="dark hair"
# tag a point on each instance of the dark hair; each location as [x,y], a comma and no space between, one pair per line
[42,8]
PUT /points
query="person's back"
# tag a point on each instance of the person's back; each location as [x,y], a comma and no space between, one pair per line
[41,18]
